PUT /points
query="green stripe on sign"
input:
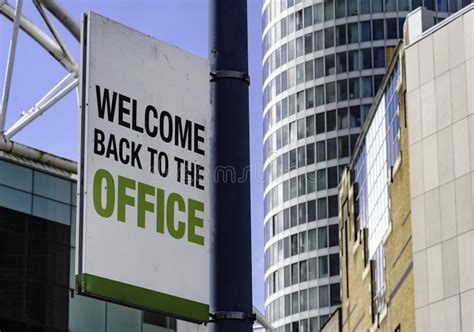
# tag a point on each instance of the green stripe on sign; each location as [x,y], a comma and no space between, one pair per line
[142,298]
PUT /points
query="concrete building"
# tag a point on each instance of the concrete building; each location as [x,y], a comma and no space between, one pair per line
[323,61]
[406,219]
[37,254]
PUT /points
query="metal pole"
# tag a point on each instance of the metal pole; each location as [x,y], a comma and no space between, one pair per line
[231,263]
[10,62]
[63,16]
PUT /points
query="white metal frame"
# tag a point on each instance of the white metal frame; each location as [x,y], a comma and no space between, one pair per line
[55,47]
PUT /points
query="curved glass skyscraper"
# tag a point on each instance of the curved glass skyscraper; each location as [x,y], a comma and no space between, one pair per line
[323,61]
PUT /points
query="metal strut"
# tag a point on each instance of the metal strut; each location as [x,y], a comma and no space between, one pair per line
[240,75]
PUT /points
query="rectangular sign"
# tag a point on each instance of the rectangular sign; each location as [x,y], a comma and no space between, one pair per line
[143,182]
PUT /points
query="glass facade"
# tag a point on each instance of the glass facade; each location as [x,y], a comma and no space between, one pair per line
[37,254]
[323,62]
[372,172]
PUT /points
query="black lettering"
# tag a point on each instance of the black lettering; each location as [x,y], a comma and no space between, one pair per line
[163,164]
[103,104]
[134,117]
[166,137]
[124,157]
[99,138]
[111,148]
[150,111]
[179,162]
[198,138]
[182,135]
[153,153]
[122,110]
[135,155]
[199,176]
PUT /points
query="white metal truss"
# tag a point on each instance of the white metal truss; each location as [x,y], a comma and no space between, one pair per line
[55,47]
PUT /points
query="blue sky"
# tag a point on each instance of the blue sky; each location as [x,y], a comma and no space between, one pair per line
[179,22]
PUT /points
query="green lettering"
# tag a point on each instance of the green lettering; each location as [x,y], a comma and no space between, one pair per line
[179,231]
[194,221]
[160,210]
[122,198]
[100,175]
[142,204]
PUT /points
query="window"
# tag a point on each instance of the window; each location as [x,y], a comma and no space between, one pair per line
[379,57]
[301,185]
[309,70]
[322,238]
[294,216]
[332,206]
[352,33]
[311,211]
[333,235]
[332,177]
[342,90]
[304,304]
[302,220]
[303,271]
[352,8]
[309,125]
[312,268]
[320,127]
[341,62]
[367,87]
[323,296]
[354,113]
[332,148]
[311,241]
[335,294]
[308,16]
[294,302]
[320,151]
[319,95]
[293,188]
[301,129]
[308,43]
[329,37]
[364,6]
[323,267]
[318,41]
[309,98]
[377,29]
[340,8]
[322,211]
[310,154]
[321,179]
[301,156]
[391,24]
[330,92]
[354,88]
[318,13]
[313,302]
[319,67]
[377,6]
[331,120]
[341,35]
[328,10]
[299,46]
[330,65]
[291,105]
[310,183]
[354,60]
[334,265]
[365,31]
[366,58]
[291,50]
[343,146]
[287,304]
[299,20]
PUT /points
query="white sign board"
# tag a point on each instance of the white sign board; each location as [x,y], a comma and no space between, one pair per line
[144,204]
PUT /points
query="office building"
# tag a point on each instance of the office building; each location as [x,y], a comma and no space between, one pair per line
[37,254]
[322,63]
[406,197]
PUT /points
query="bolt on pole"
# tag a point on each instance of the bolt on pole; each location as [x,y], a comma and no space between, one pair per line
[231,263]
